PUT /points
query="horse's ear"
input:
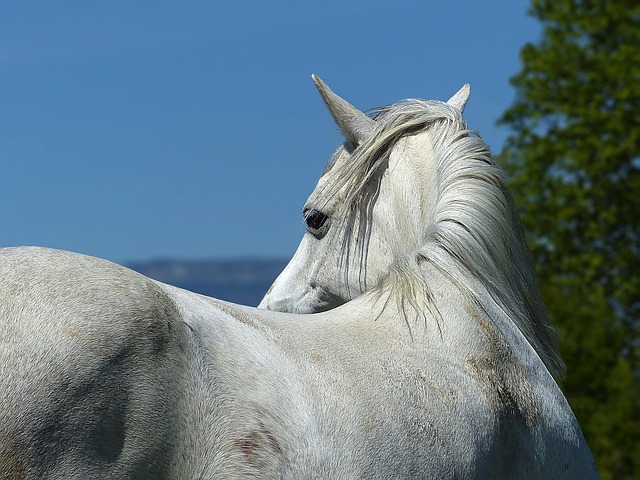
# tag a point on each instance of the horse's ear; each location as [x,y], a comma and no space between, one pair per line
[353,124]
[459,100]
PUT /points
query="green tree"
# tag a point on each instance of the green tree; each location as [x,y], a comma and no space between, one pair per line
[573,158]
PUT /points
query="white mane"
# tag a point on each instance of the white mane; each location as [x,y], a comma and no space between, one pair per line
[475,232]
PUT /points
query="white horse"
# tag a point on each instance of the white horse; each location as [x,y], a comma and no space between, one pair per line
[440,366]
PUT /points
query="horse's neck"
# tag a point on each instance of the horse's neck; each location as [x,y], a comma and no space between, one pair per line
[453,320]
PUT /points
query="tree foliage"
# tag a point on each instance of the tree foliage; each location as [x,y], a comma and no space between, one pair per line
[573,157]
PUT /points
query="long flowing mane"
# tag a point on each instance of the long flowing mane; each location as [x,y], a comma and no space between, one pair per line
[475,231]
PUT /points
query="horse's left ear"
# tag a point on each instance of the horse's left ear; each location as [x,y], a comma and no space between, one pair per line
[459,100]
[353,123]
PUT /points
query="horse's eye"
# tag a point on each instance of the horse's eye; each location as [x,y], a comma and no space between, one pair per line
[316,222]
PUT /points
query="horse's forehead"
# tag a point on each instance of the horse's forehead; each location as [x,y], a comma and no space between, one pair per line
[329,176]
[407,152]
[338,155]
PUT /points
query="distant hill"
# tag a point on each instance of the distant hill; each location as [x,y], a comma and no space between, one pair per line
[243,281]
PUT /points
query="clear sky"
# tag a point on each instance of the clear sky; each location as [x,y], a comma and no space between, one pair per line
[133,130]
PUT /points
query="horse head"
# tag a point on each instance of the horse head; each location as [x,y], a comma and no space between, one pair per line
[369,206]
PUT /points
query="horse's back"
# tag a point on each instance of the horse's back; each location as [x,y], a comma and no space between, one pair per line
[91,360]
[107,374]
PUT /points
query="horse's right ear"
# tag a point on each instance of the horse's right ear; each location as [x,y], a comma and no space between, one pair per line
[459,100]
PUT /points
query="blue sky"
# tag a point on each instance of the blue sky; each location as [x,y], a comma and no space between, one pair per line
[133,130]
